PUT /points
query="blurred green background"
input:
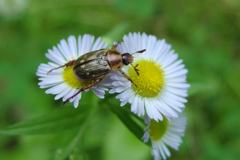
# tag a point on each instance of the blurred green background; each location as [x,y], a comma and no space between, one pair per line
[206,35]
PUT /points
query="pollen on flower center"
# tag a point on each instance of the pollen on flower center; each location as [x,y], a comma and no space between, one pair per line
[69,78]
[150,80]
[158,129]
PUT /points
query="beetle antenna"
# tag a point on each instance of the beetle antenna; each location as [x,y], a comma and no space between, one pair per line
[141,51]
[135,68]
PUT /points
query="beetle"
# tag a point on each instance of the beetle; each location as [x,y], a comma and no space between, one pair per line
[95,65]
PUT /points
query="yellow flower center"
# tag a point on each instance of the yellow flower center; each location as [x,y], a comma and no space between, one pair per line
[150,80]
[158,129]
[69,78]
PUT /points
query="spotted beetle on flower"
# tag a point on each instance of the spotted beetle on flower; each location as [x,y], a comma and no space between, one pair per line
[161,83]
[90,68]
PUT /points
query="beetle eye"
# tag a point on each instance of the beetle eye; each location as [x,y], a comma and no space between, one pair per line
[125,58]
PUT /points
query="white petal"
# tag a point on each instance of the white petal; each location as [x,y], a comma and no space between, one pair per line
[98,93]
[150,44]
[164,108]
[176,74]
[161,109]
[53,82]
[173,96]
[145,137]
[95,45]
[178,85]
[120,89]
[177,79]
[66,56]
[152,111]
[141,110]
[79,45]
[123,103]
[173,102]
[170,58]
[68,95]
[124,95]
[134,106]
[52,65]
[53,58]
[160,149]
[174,69]
[174,107]
[47,85]
[166,150]
[179,92]
[63,93]
[65,49]
[72,46]
[131,98]
[173,65]
[56,89]
[84,47]
[59,55]
[158,47]
[76,100]
[51,77]
[164,51]
[157,114]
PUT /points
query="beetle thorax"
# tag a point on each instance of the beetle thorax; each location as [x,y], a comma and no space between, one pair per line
[115,60]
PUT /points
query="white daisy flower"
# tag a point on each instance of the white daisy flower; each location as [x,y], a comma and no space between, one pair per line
[164,134]
[161,84]
[62,81]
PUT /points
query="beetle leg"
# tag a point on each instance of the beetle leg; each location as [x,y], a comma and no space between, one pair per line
[135,68]
[126,76]
[65,65]
[115,46]
[84,88]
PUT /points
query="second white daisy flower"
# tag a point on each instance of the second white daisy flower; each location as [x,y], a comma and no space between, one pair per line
[161,84]
[164,134]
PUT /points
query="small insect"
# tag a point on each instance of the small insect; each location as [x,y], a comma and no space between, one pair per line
[97,64]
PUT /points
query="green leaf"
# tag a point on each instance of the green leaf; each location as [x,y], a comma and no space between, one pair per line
[52,122]
[130,121]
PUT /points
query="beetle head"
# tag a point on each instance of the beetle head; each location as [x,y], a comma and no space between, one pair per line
[127,59]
